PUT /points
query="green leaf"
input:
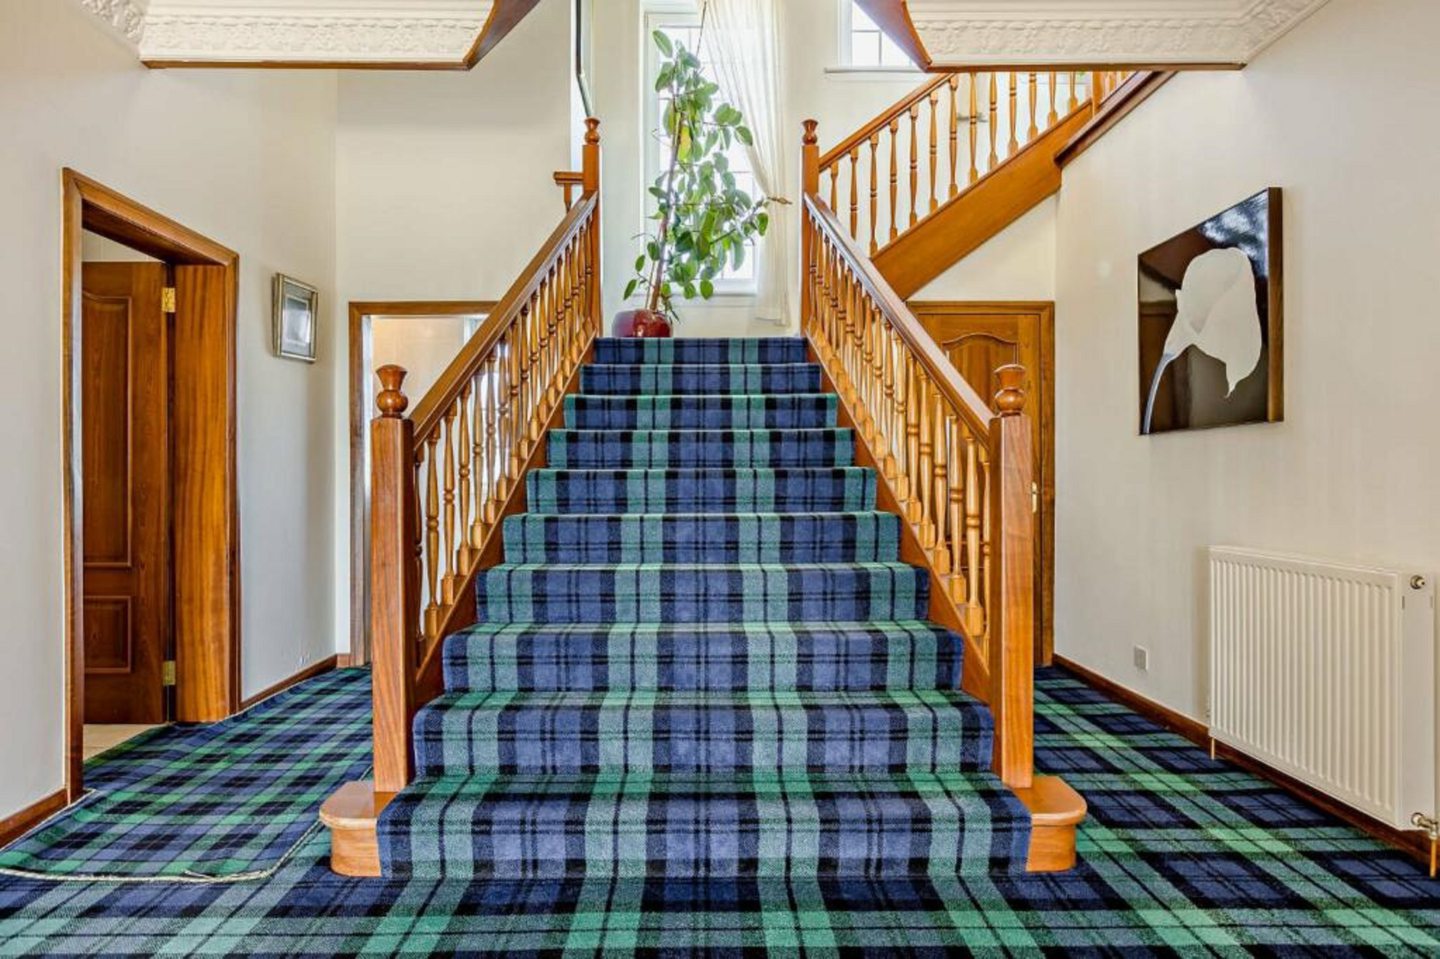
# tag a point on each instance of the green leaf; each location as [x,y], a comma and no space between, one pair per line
[630,288]
[707,289]
[663,42]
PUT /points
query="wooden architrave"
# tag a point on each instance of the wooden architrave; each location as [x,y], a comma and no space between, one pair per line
[205,497]
[504,17]
[362,407]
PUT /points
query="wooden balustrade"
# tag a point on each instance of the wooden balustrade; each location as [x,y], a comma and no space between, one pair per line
[571,182]
[444,477]
[961,474]
[917,147]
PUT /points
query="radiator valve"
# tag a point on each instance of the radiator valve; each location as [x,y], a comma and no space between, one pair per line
[1431,828]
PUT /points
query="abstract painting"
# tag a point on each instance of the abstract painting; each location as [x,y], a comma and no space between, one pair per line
[1211,322]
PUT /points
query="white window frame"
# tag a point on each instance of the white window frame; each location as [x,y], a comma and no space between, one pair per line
[658,15]
[845,47]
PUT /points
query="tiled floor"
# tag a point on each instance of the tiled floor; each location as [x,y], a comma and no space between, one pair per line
[100,737]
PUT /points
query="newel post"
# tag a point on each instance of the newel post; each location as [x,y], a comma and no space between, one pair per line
[809,186]
[590,171]
[394,581]
[1012,586]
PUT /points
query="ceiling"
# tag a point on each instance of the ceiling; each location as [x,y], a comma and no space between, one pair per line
[418,33]
[956,33]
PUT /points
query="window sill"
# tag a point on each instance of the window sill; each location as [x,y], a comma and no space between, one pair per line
[844,72]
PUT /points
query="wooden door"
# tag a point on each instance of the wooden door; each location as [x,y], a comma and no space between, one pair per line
[125,469]
[979,338]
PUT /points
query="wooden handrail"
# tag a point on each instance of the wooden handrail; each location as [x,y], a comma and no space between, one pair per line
[444,478]
[570,181]
[960,394]
[961,474]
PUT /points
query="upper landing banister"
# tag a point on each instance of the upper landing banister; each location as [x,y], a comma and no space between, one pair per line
[961,395]
[431,409]
[881,122]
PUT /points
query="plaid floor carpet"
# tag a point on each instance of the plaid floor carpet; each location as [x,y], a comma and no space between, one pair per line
[1180,855]
[213,801]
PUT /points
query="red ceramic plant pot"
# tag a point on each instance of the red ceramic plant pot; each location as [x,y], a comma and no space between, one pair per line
[641,323]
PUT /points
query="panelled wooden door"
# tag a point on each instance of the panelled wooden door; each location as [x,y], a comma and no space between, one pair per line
[125,470]
[978,338]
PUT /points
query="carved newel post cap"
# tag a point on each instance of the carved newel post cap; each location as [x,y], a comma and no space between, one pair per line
[392,401]
[1010,398]
[811,138]
[592,130]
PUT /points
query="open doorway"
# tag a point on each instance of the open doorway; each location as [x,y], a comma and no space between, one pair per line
[422,337]
[151,519]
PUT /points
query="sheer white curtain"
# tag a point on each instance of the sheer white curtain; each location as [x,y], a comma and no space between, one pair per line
[744,39]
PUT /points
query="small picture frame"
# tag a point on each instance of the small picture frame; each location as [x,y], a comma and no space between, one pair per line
[297,305]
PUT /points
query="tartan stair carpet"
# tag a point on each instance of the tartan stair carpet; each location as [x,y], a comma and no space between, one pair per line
[702,658]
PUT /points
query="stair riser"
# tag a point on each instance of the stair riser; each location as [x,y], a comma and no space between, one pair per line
[668,832]
[701,351]
[699,380]
[629,659]
[779,491]
[699,594]
[814,411]
[658,538]
[640,733]
[700,449]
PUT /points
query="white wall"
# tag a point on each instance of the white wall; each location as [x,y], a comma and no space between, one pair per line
[1338,114]
[445,190]
[810,87]
[247,159]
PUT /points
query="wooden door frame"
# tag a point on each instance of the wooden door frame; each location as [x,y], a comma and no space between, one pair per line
[361,312]
[1045,642]
[204,487]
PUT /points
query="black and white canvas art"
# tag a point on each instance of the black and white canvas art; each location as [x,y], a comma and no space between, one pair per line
[1210,331]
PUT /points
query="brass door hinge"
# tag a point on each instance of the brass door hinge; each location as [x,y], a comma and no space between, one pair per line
[167,299]
[167,673]
[1035,498]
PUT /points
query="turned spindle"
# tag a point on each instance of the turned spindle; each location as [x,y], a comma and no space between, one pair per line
[1010,397]
[392,401]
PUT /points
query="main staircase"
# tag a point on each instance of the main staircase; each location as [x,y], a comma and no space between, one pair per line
[702,656]
[702,609]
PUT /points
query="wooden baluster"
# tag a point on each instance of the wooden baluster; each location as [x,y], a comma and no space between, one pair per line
[432,538]
[1097,91]
[894,179]
[888,386]
[514,414]
[834,187]
[874,190]
[914,165]
[484,460]
[557,324]
[954,84]
[1012,596]
[1054,115]
[925,461]
[394,594]
[939,458]
[536,382]
[1013,92]
[974,608]
[445,561]
[957,510]
[1074,92]
[974,127]
[934,147]
[877,379]
[465,441]
[912,438]
[855,193]
[495,453]
[994,122]
[1034,130]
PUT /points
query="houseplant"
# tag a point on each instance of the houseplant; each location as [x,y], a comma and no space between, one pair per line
[702,221]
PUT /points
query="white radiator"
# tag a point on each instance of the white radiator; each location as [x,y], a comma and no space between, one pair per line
[1327,672]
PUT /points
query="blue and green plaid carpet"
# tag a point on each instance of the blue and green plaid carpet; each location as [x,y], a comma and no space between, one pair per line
[1180,854]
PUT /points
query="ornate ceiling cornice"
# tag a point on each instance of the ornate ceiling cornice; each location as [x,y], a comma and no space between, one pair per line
[340,32]
[1095,32]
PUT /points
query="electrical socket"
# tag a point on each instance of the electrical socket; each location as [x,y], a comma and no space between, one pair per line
[1142,659]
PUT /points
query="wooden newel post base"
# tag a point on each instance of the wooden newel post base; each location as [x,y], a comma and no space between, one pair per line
[1012,599]
[809,185]
[394,581]
[590,183]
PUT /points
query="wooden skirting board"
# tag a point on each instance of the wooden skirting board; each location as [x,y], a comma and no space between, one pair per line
[1412,842]
[309,672]
[17,824]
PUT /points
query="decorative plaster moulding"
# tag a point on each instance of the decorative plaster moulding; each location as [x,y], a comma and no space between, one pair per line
[1102,32]
[431,32]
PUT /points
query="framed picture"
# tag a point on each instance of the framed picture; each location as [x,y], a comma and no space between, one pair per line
[1211,322]
[296,307]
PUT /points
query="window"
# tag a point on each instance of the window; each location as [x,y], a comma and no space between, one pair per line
[684,28]
[863,45]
